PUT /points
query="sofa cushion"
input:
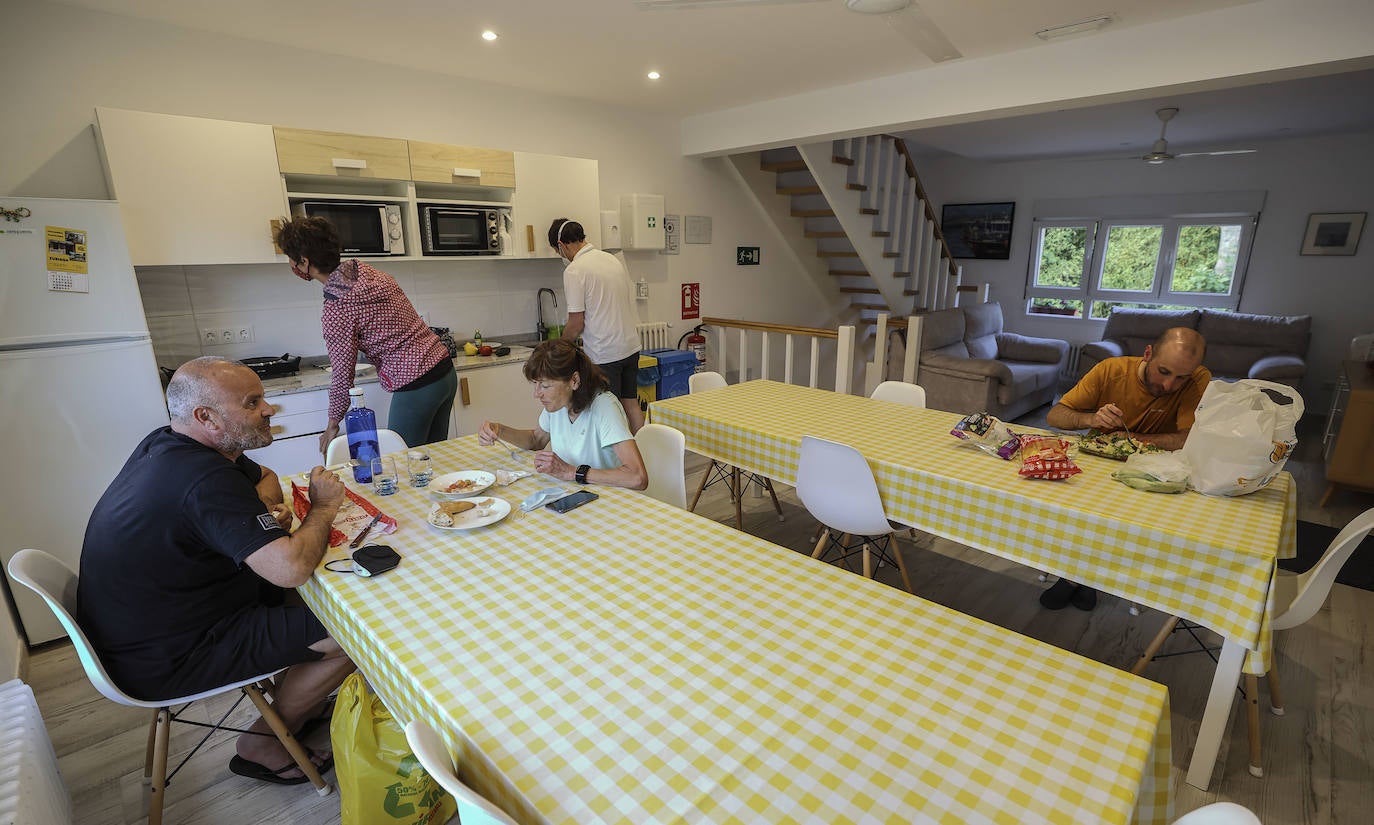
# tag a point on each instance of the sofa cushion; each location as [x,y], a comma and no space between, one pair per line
[982,322]
[1015,347]
[1026,378]
[1272,333]
[943,332]
[1127,322]
[1282,368]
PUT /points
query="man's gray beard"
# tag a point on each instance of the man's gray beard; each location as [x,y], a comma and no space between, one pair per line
[246,439]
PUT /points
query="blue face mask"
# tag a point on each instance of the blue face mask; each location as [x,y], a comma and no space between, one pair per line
[542,497]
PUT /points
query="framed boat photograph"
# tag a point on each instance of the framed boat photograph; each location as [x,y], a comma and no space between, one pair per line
[978,230]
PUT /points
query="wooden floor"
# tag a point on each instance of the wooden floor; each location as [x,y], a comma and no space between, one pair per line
[1318,758]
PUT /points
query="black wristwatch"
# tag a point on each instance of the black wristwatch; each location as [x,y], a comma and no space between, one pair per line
[581,474]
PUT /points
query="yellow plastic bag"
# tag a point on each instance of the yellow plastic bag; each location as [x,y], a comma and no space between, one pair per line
[380,780]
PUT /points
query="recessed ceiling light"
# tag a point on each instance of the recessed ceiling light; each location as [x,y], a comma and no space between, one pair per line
[654,75]
[489,35]
[1082,26]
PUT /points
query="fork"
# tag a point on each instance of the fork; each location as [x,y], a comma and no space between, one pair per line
[510,449]
[1134,444]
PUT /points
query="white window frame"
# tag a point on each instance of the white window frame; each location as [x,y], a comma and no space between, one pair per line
[1097,231]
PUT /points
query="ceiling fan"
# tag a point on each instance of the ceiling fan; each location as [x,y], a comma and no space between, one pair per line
[904,16]
[1159,152]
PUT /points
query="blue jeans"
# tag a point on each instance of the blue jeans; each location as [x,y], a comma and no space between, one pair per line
[421,416]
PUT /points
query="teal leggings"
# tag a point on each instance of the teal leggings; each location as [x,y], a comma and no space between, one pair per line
[421,416]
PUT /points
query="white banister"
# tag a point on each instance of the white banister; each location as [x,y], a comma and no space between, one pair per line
[815,362]
[844,359]
[787,361]
[911,365]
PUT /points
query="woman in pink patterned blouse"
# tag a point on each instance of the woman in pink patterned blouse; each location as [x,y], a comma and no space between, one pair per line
[366,311]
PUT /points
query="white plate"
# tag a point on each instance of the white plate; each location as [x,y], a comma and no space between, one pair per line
[476,517]
[481,480]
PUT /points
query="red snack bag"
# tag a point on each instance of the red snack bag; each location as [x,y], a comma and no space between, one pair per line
[353,513]
[1046,456]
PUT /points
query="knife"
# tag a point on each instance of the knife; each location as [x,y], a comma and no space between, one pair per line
[358,539]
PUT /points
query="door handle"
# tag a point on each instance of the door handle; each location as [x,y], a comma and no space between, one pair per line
[463,392]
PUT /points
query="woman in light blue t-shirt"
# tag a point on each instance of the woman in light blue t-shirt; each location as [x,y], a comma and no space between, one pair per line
[582,434]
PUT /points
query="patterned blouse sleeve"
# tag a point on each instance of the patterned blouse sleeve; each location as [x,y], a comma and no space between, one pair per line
[341,341]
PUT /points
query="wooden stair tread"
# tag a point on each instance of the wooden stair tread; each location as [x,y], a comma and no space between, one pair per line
[868,210]
[843,161]
[868,306]
[879,233]
[813,213]
[892,254]
[854,272]
[857,187]
[799,190]
[897,274]
[911,292]
[859,290]
[819,233]
[783,166]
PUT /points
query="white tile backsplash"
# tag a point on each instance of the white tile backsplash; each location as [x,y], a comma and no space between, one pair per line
[495,296]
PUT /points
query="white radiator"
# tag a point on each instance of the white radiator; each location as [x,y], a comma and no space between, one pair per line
[654,335]
[31,789]
[1070,367]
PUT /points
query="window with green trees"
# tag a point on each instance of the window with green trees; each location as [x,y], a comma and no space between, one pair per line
[1085,268]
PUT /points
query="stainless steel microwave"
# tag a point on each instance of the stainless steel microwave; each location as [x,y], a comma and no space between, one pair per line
[447,229]
[364,227]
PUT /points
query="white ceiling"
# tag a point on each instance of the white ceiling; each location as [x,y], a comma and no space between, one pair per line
[722,56]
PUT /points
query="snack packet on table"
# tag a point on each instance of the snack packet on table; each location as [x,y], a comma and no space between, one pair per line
[987,433]
[354,514]
[1046,456]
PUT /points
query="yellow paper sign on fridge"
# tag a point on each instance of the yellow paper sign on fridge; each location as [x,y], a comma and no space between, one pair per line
[66,250]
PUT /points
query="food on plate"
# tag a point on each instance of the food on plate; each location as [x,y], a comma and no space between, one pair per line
[1114,445]
[462,485]
[1046,456]
[453,508]
[987,433]
[440,519]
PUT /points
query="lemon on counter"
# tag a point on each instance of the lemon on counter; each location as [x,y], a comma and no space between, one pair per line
[469,348]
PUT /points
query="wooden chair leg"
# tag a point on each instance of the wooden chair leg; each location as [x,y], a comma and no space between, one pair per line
[1252,719]
[706,476]
[868,561]
[152,743]
[298,753]
[1326,497]
[768,485]
[901,565]
[820,544]
[1155,644]
[739,498]
[159,780]
[1275,698]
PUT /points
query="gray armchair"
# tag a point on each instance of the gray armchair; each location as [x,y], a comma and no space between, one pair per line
[968,364]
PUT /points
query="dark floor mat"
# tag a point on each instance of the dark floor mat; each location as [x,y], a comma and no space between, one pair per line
[1313,539]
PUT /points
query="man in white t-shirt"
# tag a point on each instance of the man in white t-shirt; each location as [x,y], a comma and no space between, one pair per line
[601,311]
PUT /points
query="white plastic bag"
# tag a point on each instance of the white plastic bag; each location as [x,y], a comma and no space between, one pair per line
[1242,436]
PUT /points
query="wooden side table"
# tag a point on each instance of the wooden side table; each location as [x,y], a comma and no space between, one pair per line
[1350,458]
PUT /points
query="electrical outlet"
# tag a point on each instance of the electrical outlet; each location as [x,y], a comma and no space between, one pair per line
[226,336]
[209,337]
[245,334]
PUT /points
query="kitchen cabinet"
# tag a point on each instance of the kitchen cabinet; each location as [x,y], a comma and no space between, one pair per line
[498,393]
[192,190]
[462,165]
[298,421]
[338,155]
[1350,457]
[552,187]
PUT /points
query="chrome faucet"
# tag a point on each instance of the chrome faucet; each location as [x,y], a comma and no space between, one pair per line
[542,330]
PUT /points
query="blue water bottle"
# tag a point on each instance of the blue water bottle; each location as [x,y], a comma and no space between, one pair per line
[361,425]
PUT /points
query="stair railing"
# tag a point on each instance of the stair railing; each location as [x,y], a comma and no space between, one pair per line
[719,352]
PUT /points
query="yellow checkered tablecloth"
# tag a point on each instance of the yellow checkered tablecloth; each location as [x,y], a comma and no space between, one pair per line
[628,662]
[1209,560]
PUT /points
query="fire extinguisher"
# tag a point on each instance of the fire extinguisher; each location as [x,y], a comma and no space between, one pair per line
[696,342]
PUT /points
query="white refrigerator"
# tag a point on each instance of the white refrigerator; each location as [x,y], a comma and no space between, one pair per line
[79,387]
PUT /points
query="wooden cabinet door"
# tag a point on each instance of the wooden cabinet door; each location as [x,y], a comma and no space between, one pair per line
[553,187]
[442,163]
[192,190]
[307,152]
[498,393]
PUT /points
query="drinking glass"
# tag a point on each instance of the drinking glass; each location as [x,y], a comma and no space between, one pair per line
[421,468]
[384,477]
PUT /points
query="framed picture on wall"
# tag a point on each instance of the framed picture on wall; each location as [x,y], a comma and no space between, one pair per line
[1333,233]
[978,230]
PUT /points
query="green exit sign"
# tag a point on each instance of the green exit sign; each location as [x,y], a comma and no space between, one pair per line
[747,256]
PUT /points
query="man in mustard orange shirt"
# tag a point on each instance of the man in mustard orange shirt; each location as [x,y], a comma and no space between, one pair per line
[1153,398]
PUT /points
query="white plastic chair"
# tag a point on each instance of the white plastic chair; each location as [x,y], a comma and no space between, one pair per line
[56,584]
[388,441]
[1219,813]
[901,392]
[663,449]
[473,809]
[736,480]
[836,484]
[1297,598]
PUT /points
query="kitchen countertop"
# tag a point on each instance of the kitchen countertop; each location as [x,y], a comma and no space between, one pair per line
[311,377]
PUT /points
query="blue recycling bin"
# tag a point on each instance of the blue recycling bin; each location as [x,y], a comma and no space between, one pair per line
[675,368]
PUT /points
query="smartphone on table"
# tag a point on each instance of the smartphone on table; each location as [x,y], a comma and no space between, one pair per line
[571,501]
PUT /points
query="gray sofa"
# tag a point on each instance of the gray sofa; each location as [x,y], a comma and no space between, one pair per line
[968,364]
[1239,345]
